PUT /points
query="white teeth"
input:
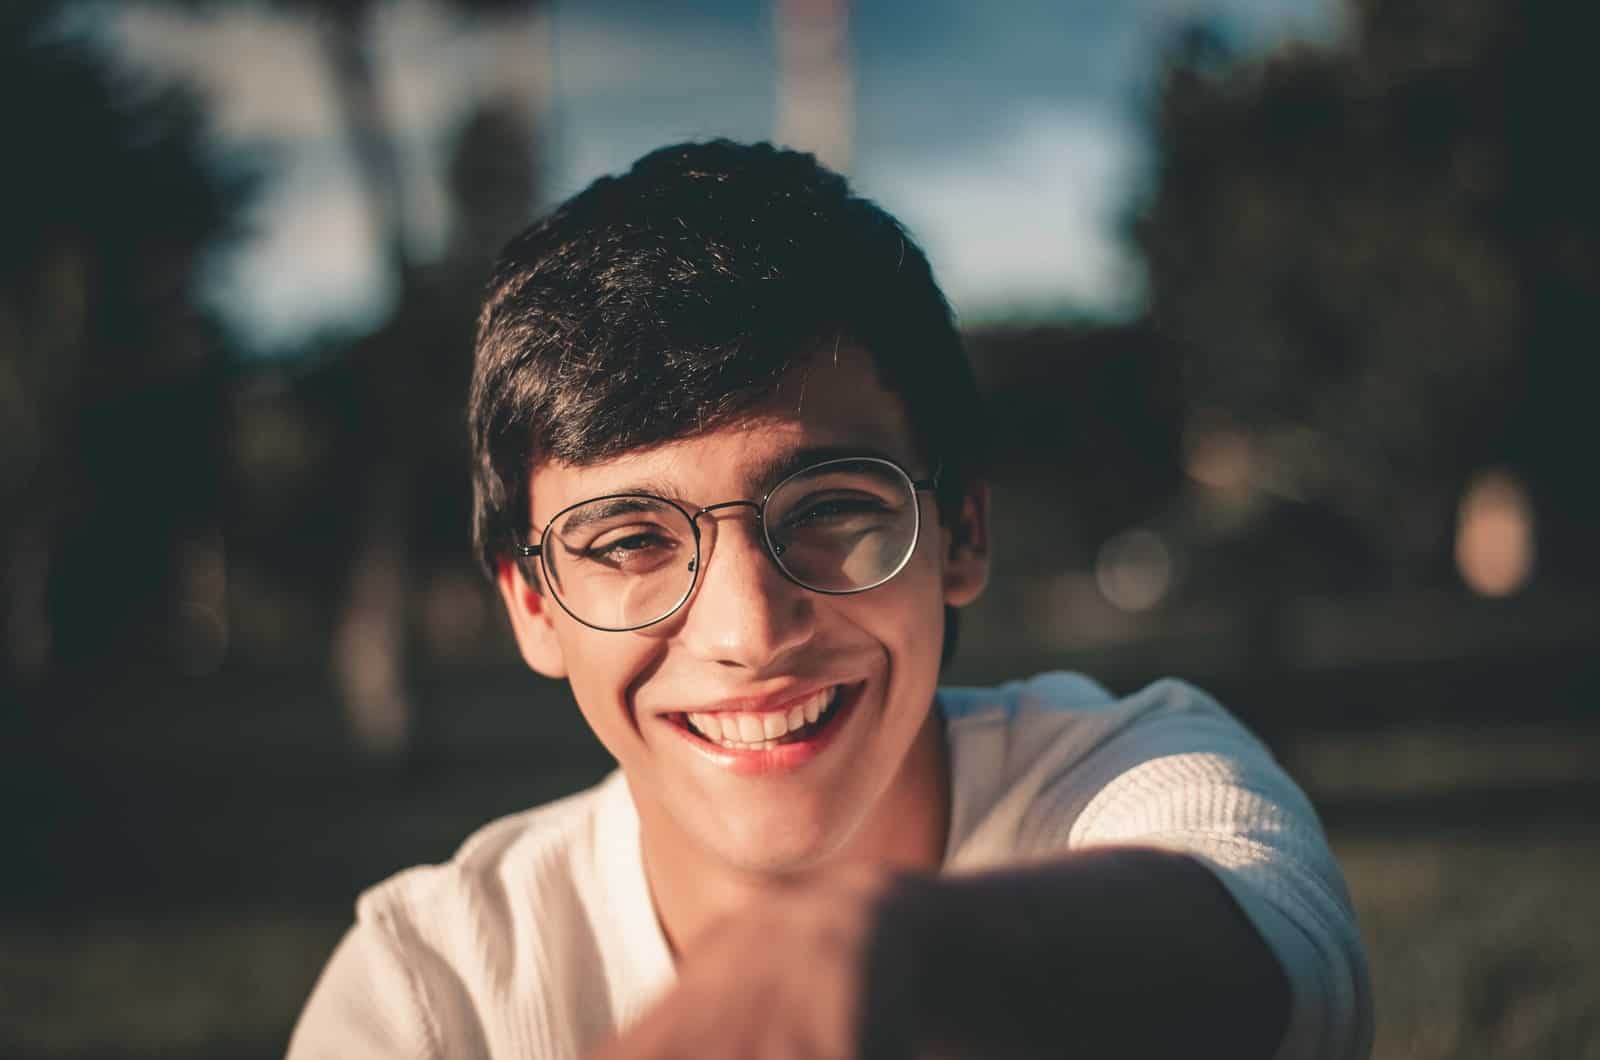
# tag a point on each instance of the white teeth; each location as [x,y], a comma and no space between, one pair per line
[751,732]
[709,725]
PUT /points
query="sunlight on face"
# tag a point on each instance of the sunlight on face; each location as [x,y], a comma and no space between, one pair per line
[750,635]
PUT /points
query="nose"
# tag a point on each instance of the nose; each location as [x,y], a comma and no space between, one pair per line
[744,613]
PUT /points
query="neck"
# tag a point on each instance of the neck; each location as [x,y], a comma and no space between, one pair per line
[907,829]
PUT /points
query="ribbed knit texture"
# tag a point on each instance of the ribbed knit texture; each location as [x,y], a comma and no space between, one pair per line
[539,940]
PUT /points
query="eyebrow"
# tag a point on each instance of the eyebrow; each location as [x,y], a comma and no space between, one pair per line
[770,472]
[598,511]
[637,496]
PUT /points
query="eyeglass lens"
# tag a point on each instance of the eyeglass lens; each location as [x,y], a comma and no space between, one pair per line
[623,562]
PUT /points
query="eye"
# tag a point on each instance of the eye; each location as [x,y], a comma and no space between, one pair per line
[830,510]
[631,543]
[631,550]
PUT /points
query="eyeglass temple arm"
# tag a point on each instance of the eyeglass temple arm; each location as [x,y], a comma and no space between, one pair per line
[526,550]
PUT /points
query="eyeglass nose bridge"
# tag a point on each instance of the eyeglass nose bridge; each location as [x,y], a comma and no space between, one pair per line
[772,547]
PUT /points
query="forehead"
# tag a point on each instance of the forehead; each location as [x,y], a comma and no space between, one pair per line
[831,404]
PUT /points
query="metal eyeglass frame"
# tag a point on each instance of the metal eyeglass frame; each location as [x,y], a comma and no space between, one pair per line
[771,547]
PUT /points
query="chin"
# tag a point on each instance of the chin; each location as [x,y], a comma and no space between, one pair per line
[759,844]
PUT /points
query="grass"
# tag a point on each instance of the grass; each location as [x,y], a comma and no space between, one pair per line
[213,984]
[1481,946]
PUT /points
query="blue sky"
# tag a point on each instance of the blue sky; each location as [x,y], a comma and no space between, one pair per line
[1008,136]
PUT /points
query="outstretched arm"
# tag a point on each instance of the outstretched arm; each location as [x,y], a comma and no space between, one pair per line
[1168,893]
[1103,952]
[1117,951]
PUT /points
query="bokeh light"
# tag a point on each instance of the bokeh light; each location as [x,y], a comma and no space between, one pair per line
[1134,570]
[1494,534]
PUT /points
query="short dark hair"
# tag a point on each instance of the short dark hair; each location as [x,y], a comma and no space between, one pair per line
[673,298]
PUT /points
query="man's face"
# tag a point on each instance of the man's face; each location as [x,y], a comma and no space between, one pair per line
[751,642]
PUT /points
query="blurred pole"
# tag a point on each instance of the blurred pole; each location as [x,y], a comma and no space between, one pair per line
[28,629]
[816,93]
[369,650]
[369,640]
[343,29]
[412,372]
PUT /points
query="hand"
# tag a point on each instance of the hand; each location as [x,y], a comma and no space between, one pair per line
[780,982]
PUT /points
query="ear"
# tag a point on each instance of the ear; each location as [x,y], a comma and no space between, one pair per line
[530,621]
[966,565]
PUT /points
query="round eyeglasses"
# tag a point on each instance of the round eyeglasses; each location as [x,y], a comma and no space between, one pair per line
[629,560]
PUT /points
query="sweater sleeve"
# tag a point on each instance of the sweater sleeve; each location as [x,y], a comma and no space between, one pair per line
[1183,775]
[366,1004]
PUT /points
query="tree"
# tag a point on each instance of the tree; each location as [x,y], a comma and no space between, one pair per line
[1374,256]
[110,423]
[405,378]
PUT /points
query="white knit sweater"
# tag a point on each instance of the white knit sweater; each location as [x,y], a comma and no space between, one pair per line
[539,940]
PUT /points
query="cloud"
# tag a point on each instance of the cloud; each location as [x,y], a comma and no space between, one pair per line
[315,262]
[263,73]
[435,65]
[1008,139]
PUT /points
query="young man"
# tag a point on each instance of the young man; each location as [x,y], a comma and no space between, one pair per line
[728,484]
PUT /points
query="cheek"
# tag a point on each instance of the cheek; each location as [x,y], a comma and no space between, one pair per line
[922,624]
[925,582]
[603,669]
[906,617]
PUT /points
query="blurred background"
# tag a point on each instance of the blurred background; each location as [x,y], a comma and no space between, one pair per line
[1283,307]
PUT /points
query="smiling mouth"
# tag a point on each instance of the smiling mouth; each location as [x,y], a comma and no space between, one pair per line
[739,731]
